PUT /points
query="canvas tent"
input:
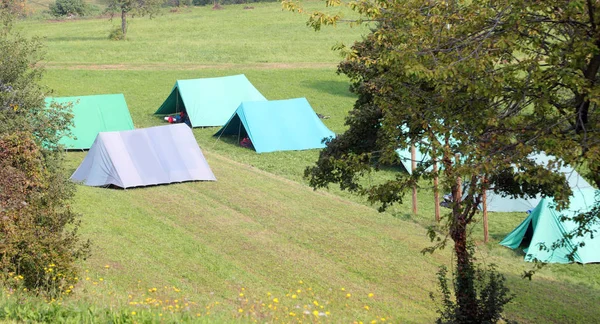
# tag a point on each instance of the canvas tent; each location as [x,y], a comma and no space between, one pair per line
[142,157]
[544,227]
[279,125]
[498,203]
[495,202]
[209,101]
[94,114]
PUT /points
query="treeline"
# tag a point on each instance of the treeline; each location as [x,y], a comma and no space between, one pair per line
[80,8]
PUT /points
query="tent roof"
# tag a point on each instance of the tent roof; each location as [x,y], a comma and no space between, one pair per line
[279,125]
[94,114]
[210,101]
[547,228]
[497,203]
[142,157]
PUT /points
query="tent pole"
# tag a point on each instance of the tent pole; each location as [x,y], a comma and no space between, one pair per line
[485,214]
[239,131]
[413,157]
[177,101]
[436,192]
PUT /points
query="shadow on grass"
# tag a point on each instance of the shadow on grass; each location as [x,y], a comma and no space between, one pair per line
[337,88]
[78,39]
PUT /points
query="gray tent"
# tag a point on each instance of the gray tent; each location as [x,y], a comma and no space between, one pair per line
[143,157]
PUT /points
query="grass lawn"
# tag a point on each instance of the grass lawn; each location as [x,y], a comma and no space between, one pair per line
[259,233]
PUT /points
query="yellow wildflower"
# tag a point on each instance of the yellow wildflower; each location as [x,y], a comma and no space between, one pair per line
[133,313]
[348,295]
[240,310]
[275,300]
[367,307]
[371,295]
[316,313]
[294,296]
[292,314]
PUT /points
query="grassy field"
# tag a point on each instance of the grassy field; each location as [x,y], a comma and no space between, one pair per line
[259,233]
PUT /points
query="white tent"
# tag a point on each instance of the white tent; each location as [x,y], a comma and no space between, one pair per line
[142,157]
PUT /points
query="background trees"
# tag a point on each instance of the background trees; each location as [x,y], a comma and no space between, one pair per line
[478,87]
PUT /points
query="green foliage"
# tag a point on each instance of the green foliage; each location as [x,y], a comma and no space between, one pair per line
[492,297]
[116,34]
[68,8]
[38,228]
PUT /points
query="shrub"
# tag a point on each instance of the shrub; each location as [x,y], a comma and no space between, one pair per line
[68,8]
[116,34]
[38,230]
[36,243]
[492,296]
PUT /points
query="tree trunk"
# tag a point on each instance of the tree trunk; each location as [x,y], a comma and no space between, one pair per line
[466,297]
[124,23]
[464,291]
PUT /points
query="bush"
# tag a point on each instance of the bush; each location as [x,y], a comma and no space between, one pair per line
[116,34]
[68,8]
[492,296]
[38,230]
[35,242]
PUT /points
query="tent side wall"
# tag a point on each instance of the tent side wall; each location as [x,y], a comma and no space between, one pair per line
[283,125]
[172,103]
[149,156]
[92,115]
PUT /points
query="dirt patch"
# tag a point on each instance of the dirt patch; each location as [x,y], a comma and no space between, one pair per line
[167,66]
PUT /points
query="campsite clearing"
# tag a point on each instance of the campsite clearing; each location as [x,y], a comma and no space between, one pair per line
[260,227]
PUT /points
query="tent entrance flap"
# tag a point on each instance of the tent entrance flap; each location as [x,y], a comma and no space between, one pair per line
[173,104]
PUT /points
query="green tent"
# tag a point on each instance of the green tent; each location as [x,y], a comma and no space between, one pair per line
[545,226]
[209,101]
[94,114]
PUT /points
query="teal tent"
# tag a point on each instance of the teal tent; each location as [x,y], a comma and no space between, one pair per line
[209,101]
[92,115]
[279,125]
[544,227]
[495,201]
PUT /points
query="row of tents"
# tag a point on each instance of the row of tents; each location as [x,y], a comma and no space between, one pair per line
[122,156]
[230,102]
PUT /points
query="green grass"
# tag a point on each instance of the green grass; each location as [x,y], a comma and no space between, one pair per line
[259,227]
[196,36]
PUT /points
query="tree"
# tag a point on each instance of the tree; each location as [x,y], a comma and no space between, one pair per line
[134,8]
[477,86]
[39,230]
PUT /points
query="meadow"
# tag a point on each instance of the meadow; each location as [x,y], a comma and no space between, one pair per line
[259,244]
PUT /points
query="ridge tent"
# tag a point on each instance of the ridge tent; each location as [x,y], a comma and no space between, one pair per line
[496,202]
[209,101]
[544,227]
[278,125]
[143,157]
[94,114]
